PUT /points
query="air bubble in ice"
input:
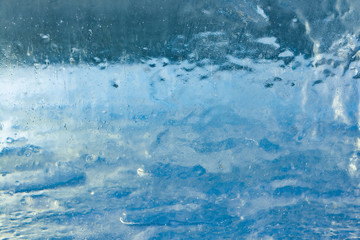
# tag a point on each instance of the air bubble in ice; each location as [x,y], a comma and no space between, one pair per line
[97,60]
[27,153]
[140,172]
[165,62]
[75,50]
[90,158]
[103,66]
[45,37]
[10,140]
[54,47]
[36,65]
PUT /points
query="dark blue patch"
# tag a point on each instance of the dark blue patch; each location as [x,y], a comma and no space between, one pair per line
[268,146]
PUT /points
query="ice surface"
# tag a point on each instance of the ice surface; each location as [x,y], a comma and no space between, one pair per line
[259,140]
[168,153]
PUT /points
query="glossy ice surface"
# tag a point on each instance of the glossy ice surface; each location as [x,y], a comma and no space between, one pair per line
[179,120]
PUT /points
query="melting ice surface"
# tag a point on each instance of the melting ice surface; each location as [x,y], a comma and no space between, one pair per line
[243,148]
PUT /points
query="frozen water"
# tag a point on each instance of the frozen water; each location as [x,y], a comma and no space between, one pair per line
[210,136]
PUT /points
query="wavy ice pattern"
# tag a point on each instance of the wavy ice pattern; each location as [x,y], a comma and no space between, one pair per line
[207,139]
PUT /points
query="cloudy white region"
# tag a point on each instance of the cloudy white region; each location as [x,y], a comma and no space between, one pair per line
[269,41]
[260,11]
[286,53]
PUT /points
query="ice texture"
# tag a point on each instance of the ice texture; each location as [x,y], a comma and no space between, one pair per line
[210,136]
